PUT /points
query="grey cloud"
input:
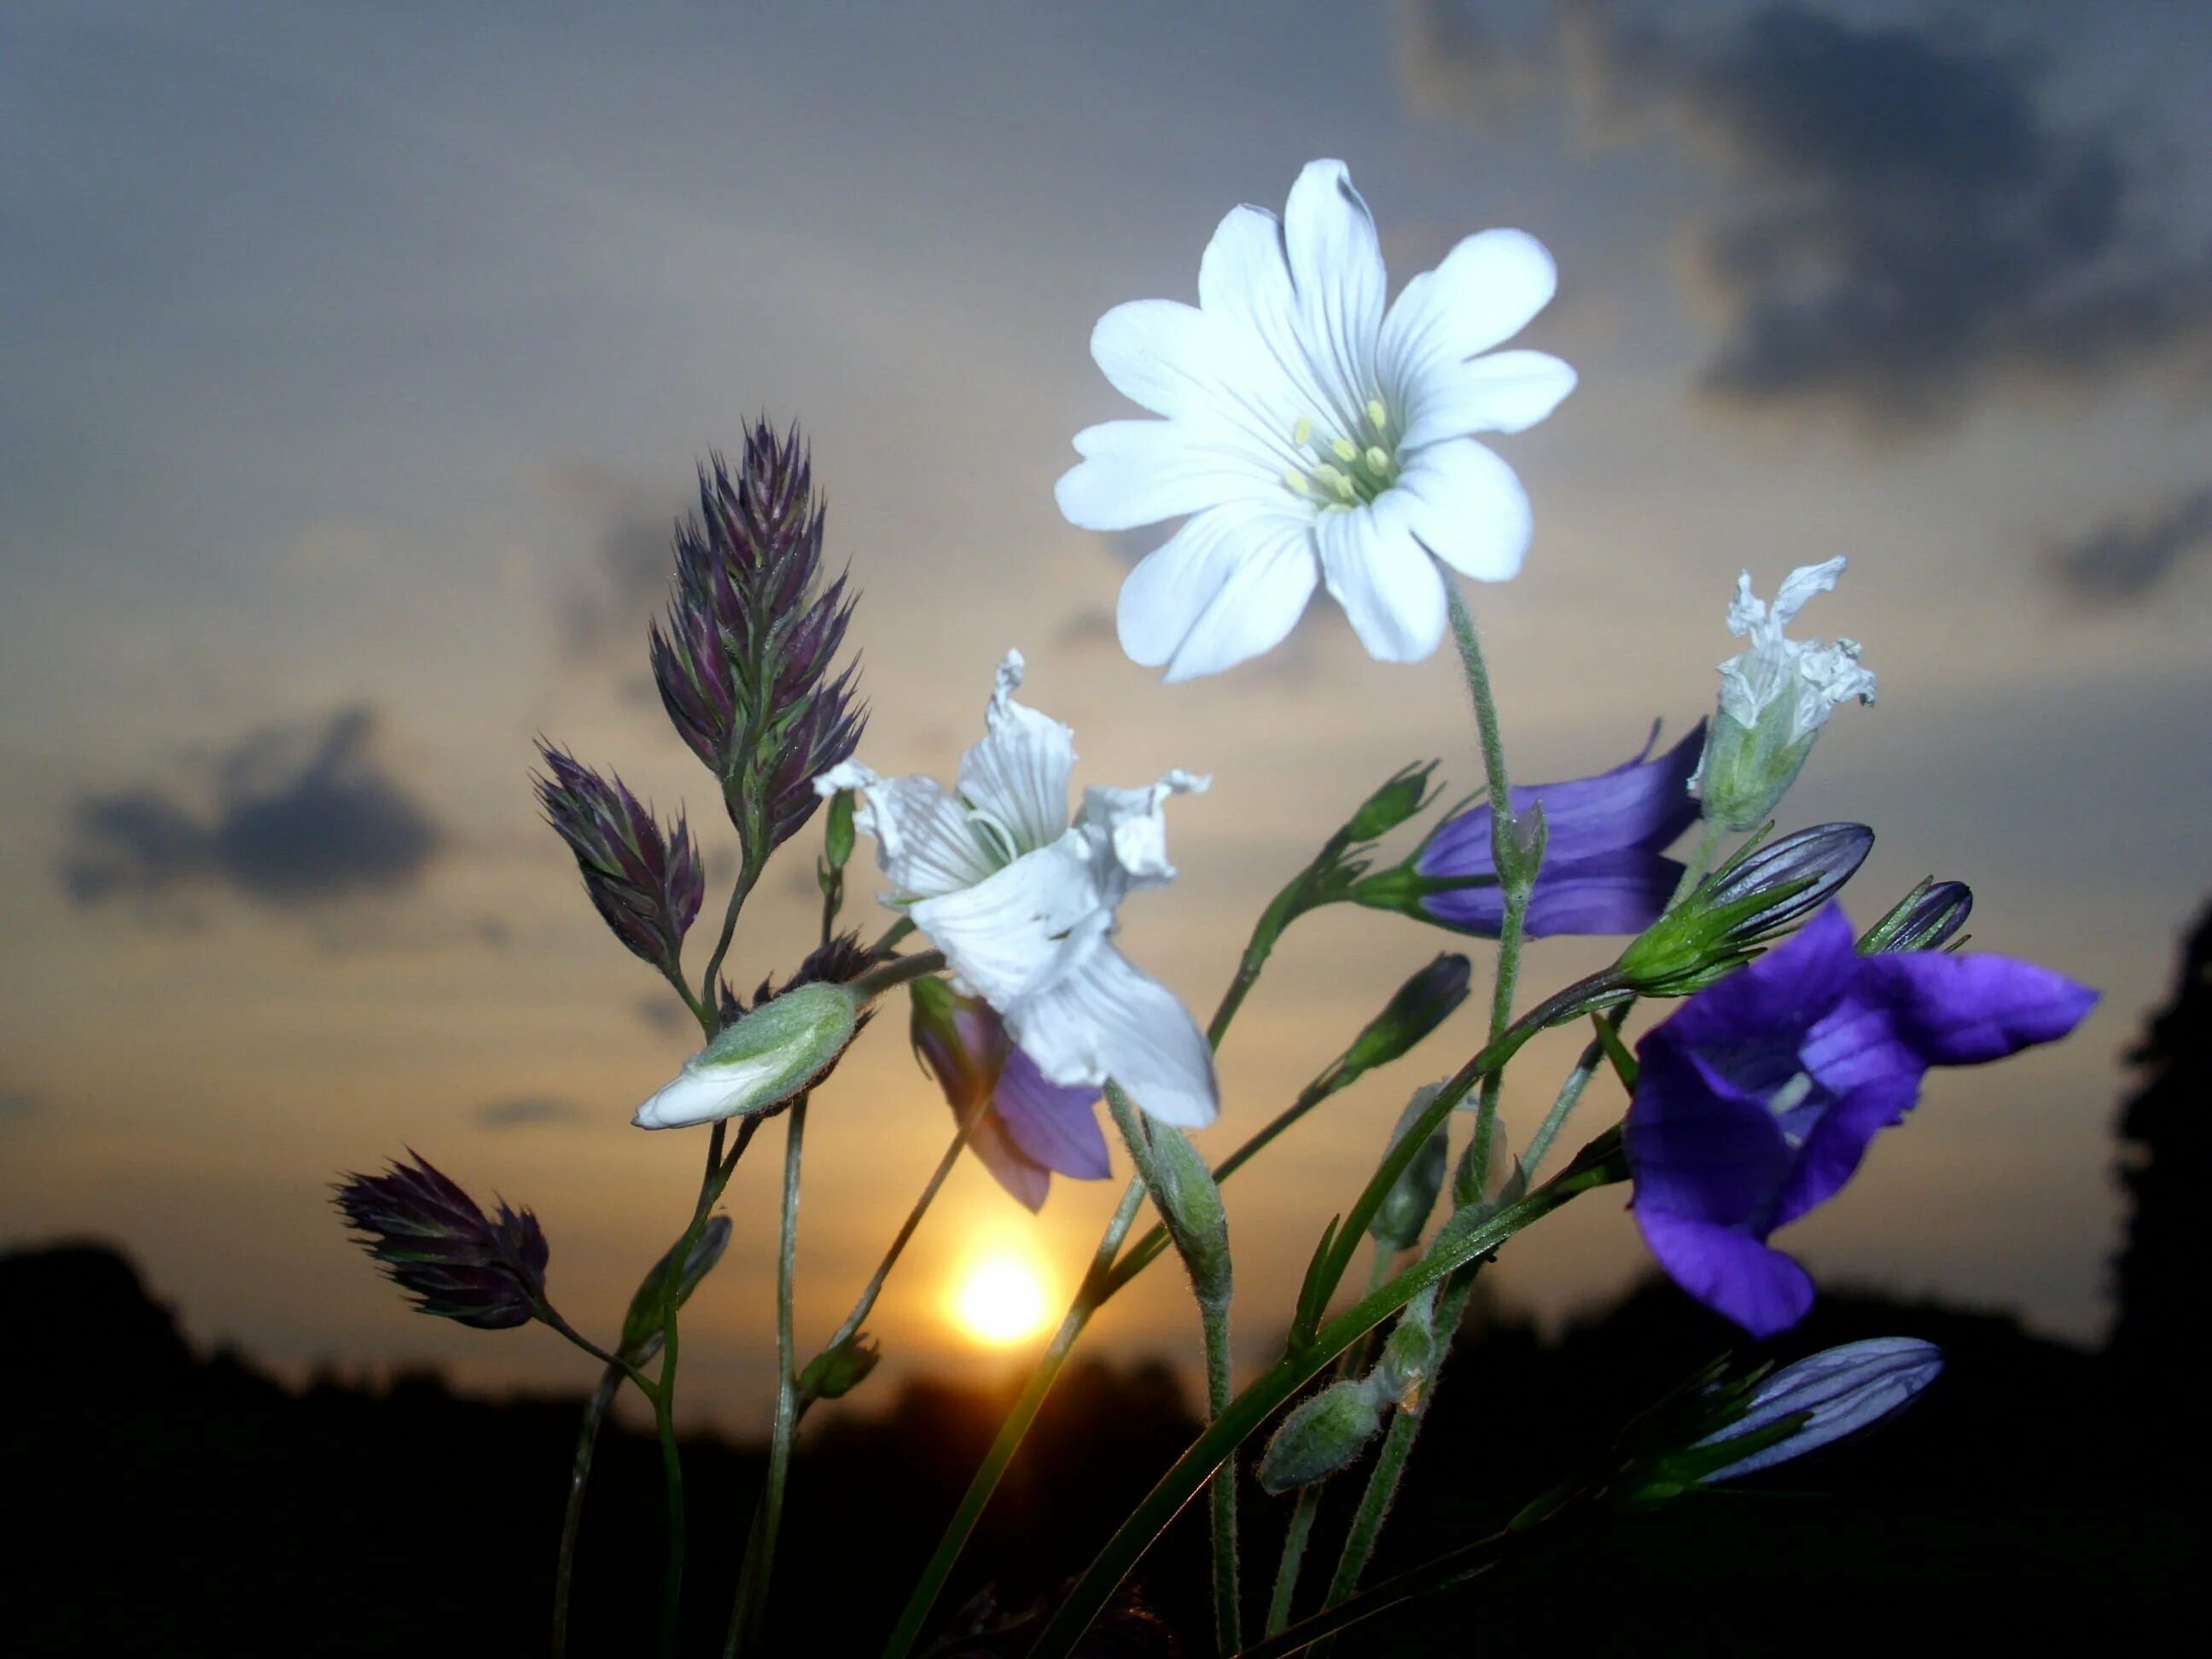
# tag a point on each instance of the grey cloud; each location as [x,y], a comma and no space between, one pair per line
[300,815]
[608,610]
[2125,559]
[1914,227]
[527,1112]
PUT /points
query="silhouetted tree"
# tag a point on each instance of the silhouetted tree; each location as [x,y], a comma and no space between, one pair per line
[2166,1131]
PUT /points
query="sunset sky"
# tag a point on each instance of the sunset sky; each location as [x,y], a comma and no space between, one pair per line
[357,360]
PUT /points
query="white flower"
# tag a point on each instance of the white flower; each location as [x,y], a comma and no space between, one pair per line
[1022,902]
[1814,675]
[1775,698]
[1309,434]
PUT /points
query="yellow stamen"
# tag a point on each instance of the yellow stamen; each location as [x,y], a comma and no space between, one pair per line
[1378,416]
[1376,460]
[1301,432]
[1345,450]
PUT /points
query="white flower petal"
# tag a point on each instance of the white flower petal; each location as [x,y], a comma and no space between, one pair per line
[1228,585]
[924,840]
[1387,583]
[1128,832]
[1801,585]
[1244,281]
[1170,357]
[1139,472]
[1504,392]
[1485,292]
[1016,779]
[1107,1019]
[1017,930]
[1468,509]
[1336,271]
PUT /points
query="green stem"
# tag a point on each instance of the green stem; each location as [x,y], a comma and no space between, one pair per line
[896,972]
[1308,1504]
[891,935]
[1506,855]
[1228,1592]
[867,1303]
[748,874]
[1382,1490]
[1213,1318]
[748,1618]
[672,1475]
[1010,1433]
[572,1519]
[1600,1165]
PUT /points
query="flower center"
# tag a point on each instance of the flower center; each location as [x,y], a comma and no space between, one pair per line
[1345,471]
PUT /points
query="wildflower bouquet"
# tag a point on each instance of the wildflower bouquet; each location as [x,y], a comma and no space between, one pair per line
[1306,433]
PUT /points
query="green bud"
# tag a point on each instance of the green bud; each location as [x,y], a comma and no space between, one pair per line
[1195,1219]
[836,1372]
[1750,900]
[1415,1009]
[1925,919]
[1407,793]
[759,1061]
[1323,1435]
[645,1326]
[1404,1208]
[1516,846]
[1410,1354]
[1501,1182]
[838,832]
[1746,770]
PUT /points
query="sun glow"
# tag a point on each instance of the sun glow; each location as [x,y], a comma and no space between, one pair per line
[1000,1298]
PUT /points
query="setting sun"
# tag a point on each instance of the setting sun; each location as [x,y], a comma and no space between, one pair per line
[1000,1298]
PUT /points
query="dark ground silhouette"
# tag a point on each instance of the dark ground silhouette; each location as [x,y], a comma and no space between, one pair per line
[168,1502]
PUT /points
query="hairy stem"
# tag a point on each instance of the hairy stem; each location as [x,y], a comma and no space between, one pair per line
[572,1518]
[1598,1165]
[748,1618]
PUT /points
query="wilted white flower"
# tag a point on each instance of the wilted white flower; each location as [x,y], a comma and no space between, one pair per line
[1775,698]
[1311,434]
[1022,902]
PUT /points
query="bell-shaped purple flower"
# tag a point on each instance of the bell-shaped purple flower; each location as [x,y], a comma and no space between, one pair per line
[1757,1098]
[436,1244]
[1031,1126]
[645,886]
[1605,868]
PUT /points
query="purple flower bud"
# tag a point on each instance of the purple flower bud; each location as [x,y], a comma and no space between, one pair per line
[1742,906]
[646,887]
[434,1244]
[1838,1392]
[1924,920]
[743,662]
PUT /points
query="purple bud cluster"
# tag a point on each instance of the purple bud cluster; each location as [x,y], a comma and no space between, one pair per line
[646,885]
[434,1244]
[744,661]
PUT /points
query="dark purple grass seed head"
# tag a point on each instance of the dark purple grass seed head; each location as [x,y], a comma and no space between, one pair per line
[744,661]
[645,885]
[433,1241]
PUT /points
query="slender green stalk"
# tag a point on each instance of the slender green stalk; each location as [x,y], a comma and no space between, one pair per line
[866,1302]
[1213,1318]
[897,972]
[1571,1093]
[1013,1430]
[572,1519]
[891,935]
[1454,1566]
[1228,1589]
[1598,1165]
[672,1475]
[748,1618]
[1382,1489]
[1308,1504]
[748,872]
[1505,855]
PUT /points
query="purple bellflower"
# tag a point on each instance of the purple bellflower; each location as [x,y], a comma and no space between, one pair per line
[1031,1126]
[1605,868]
[1757,1098]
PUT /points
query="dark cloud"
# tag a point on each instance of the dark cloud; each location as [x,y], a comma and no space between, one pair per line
[299,815]
[528,1112]
[2123,560]
[663,1013]
[1910,225]
[626,584]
